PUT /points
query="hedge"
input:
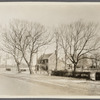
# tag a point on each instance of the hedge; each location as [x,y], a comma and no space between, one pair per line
[71,74]
[59,73]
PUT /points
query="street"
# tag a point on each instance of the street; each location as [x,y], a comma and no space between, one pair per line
[37,85]
[10,86]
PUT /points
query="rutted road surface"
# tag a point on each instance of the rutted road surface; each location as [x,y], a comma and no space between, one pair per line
[23,85]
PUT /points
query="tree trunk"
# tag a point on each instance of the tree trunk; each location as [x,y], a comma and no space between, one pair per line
[65,61]
[56,52]
[75,64]
[96,63]
[30,69]
[18,68]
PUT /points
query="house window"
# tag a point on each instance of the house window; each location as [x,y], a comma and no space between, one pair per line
[43,62]
[46,60]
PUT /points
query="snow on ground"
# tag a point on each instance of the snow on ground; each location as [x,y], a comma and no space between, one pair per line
[73,86]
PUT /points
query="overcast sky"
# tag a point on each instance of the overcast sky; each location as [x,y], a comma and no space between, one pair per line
[49,14]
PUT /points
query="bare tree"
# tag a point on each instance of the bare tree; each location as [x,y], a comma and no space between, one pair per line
[95,57]
[28,42]
[63,40]
[78,39]
[9,44]
[81,40]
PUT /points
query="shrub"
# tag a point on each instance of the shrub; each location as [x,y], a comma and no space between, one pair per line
[82,75]
[97,75]
[8,69]
[22,70]
[71,74]
[59,73]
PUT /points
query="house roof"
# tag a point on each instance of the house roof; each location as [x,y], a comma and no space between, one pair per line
[45,56]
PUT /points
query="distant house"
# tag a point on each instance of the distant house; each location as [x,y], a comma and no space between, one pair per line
[48,62]
[87,63]
[84,63]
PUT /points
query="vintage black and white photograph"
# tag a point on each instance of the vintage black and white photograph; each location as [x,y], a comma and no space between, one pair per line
[49,49]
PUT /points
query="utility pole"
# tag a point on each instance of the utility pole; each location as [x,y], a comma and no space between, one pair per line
[37,57]
[56,51]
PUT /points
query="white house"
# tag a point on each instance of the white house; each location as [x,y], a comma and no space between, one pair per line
[48,61]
